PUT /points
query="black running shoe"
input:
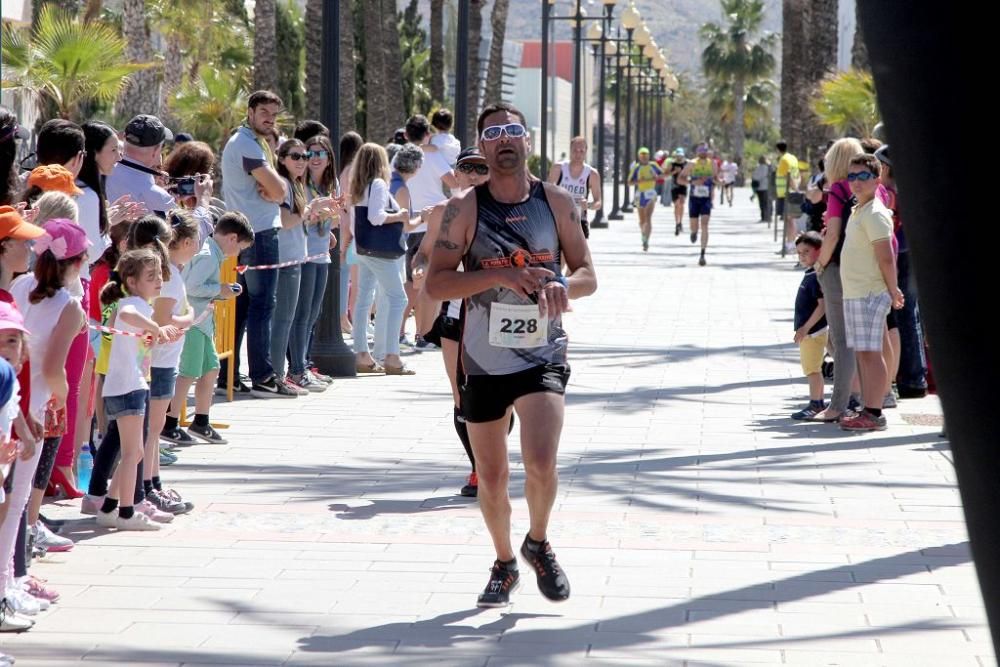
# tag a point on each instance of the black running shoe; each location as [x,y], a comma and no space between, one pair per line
[471,489]
[677,229]
[207,433]
[694,237]
[504,580]
[701,260]
[552,581]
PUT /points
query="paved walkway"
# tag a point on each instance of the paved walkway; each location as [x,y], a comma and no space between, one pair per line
[698,524]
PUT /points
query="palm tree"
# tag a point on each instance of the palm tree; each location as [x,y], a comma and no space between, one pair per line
[494,73]
[738,54]
[141,94]
[67,63]
[265,45]
[846,102]
[475,68]
[314,62]
[757,108]
[377,125]
[437,50]
[795,84]
[213,106]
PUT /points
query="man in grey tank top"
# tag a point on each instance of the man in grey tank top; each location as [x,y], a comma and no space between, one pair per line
[510,235]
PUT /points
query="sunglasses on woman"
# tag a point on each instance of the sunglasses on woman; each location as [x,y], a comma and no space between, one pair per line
[317,154]
[299,157]
[512,130]
[480,169]
[861,176]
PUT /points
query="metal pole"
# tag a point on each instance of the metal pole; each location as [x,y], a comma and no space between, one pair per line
[659,118]
[462,75]
[627,204]
[329,352]
[616,185]
[599,221]
[577,70]
[546,8]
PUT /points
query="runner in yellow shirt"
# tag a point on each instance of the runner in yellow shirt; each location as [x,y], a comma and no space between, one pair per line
[703,175]
[786,181]
[643,174]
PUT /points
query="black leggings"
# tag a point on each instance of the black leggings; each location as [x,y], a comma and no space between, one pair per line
[46,462]
[108,456]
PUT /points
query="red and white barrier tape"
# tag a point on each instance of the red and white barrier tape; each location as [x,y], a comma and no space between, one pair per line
[142,334]
[243,268]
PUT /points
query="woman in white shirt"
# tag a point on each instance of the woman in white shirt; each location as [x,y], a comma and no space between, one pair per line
[370,194]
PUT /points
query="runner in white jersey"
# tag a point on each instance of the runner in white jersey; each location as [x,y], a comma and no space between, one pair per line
[510,236]
[728,173]
[579,179]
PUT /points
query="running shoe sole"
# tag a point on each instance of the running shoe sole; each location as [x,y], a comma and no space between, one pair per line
[500,605]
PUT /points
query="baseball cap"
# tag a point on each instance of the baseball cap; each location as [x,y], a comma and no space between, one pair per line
[13,226]
[54,178]
[63,237]
[679,152]
[11,318]
[145,130]
[882,155]
[643,150]
[470,154]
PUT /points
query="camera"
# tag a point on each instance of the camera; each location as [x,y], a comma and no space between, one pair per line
[183,186]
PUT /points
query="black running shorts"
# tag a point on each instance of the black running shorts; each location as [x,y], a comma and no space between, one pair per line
[486,398]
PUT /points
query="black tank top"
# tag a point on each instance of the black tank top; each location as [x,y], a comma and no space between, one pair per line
[521,234]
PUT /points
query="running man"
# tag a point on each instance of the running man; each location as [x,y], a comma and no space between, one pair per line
[579,179]
[643,174]
[729,171]
[679,188]
[509,236]
[445,330]
[703,175]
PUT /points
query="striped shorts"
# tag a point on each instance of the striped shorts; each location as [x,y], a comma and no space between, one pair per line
[864,320]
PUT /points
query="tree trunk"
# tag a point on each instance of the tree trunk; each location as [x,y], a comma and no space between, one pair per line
[140,95]
[314,60]
[264,45]
[395,113]
[822,54]
[437,50]
[795,84]
[494,74]
[93,12]
[348,94]
[376,125]
[738,128]
[475,73]
[859,52]
[173,73]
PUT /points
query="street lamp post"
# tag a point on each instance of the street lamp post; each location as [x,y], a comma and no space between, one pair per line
[462,74]
[546,11]
[577,68]
[597,31]
[627,204]
[328,351]
[615,211]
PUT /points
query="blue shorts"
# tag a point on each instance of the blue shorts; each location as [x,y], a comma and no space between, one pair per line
[699,206]
[644,197]
[161,383]
[131,404]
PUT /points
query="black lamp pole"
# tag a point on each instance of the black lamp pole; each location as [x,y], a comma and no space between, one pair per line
[627,204]
[462,75]
[615,210]
[329,352]
[546,11]
[599,221]
[577,69]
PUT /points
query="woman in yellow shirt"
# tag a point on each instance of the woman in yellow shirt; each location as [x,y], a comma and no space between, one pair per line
[643,174]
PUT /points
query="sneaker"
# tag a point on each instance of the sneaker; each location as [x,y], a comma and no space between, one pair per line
[7,660]
[425,345]
[326,379]
[91,505]
[809,411]
[170,493]
[701,259]
[271,388]
[241,385]
[49,541]
[404,341]
[148,510]
[504,580]
[107,519]
[138,522]
[165,503]
[854,405]
[37,589]
[11,620]
[307,382]
[889,401]
[21,602]
[177,436]
[863,422]
[291,386]
[552,581]
[677,229]
[207,433]
[471,489]
[645,246]
[912,392]
[167,458]
[694,237]
[21,584]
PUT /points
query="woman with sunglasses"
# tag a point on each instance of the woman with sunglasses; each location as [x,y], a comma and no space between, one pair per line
[295,211]
[321,182]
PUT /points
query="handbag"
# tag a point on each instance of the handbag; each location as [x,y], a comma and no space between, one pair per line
[383,241]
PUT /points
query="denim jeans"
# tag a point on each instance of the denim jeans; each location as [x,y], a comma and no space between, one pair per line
[311,291]
[289,279]
[912,363]
[262,287]
[387,275]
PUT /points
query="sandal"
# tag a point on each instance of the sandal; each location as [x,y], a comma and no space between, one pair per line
[368,369]
[399,370]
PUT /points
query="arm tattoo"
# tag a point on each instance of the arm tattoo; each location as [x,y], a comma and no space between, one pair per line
[446,244]
[450,213]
